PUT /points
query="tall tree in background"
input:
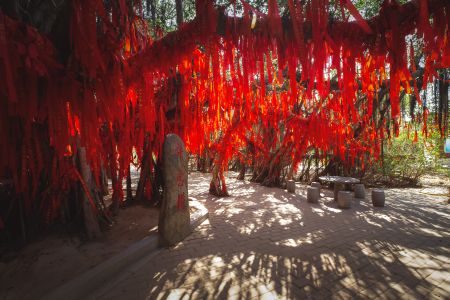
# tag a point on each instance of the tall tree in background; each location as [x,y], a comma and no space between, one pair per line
[179,10]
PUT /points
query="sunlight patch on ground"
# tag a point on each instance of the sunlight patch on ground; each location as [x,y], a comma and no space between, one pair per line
[319,211]
[203,231]
[430,232]
[434,191]
[281,213]
[229,212]
[384,217]
[288,209]
[295,242]
[331,209]
[375,219]
[243,191]
[247,229]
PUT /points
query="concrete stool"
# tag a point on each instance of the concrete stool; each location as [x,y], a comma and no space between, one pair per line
[338,187]
[360,191]
[345,199]
[312,194]
[378,197]
[290,185]
[317,185]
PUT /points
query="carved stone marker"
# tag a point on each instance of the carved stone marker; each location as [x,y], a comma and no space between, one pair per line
[174,218]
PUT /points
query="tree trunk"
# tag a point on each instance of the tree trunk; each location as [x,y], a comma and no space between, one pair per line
[104,181]
[443,105]
[116,185]
[153,12]
[241,175]
[202,161]
[22,220]
[382,157]
[90,220]
[157,184]
[217,187]
[179,10]
[143,177]
[129,191]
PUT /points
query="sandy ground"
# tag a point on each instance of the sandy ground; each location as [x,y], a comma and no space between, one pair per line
[435,180]
[50,262]
[53,260]
[436,185]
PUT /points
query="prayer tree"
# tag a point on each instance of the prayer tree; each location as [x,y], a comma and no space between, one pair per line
[262,88]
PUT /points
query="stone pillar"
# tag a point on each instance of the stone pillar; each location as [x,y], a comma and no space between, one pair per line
[174,218]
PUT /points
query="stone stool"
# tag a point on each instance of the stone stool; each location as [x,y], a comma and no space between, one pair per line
[317,185]
[312,194]
[345,199]
[378,197]
[360,191]
[290,185]
[338,187]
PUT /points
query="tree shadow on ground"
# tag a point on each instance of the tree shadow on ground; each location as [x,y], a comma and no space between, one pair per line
[266,242]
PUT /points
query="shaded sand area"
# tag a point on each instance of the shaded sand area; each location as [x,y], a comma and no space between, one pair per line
[53,260]
[266,243]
